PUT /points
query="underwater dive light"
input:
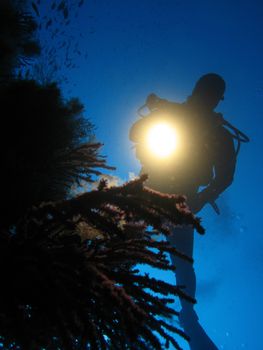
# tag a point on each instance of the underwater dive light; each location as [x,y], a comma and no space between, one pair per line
[162,140]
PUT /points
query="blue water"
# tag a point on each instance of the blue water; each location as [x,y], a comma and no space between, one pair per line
[135,47]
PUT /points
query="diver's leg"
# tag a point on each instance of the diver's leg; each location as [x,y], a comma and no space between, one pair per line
[183,240]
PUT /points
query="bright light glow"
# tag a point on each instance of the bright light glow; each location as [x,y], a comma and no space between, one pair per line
[162,140]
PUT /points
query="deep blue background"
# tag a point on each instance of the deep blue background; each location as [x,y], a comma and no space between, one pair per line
[135,47]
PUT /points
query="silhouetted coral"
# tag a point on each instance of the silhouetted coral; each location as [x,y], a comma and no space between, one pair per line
[49,146]
[68,266]
[63,288]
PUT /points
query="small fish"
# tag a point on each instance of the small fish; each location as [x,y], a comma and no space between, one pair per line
[61,6]
[48,24]
[27,74]
[54,33]
[51,51]
[53,6]
[80,3]
[65,12]
[67,23]
[35,8]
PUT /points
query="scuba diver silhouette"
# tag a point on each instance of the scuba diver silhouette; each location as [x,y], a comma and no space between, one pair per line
[207,159]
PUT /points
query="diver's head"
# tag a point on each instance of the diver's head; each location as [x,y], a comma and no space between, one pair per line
[208,91]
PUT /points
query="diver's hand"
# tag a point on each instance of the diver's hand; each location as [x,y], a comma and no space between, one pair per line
[155,102]
[201,199]
[197,203]
[152,101]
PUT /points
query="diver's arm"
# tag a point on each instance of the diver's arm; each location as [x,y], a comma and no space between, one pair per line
[154,102]
[139,128]
[133,133]
[224,167]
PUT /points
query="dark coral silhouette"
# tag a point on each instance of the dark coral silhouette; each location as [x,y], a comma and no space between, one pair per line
[61,287]
[67,266]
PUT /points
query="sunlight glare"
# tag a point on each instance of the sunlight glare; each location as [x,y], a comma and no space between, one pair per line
[162,140]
